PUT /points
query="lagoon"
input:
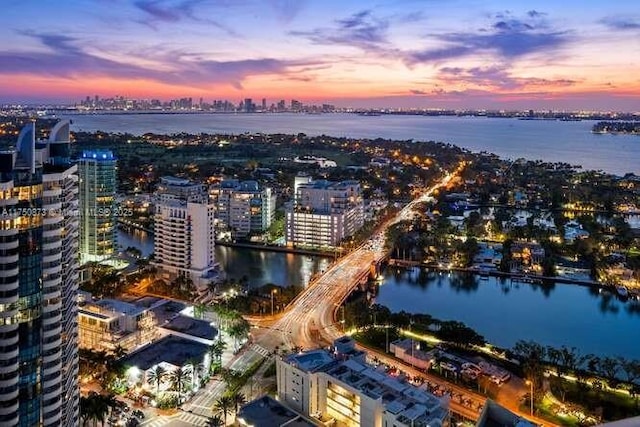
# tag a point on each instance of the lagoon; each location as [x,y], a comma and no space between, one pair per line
[505,312]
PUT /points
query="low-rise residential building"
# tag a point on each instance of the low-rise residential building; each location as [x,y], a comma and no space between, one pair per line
[409,351]
[108,324]
[326,387]
[243,207]
[573,230]
[324,213]
[526,257]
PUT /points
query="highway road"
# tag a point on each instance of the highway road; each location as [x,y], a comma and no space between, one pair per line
[310,319]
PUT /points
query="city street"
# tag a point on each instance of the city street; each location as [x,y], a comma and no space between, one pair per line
[311,319]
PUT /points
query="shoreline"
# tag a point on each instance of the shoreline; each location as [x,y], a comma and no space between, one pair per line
[274,248]
[523,278]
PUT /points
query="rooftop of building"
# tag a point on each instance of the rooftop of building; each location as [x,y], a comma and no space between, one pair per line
[406,344]
[163,309]
[190,326]
[174,350]
[399,397]
[268,412]
[117,306]
[495,415]
[249,186]
[410,405]
[310,361]
[322,184]
[98,154]
[176,181]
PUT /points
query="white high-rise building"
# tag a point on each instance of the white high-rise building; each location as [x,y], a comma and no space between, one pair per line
[342,387]
[242,207]
[324,213]
[184,231]
[39,282]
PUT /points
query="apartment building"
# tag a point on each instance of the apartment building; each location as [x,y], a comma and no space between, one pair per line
[184,232]
[39,281]
[243,207]
[323,213]
[344,390]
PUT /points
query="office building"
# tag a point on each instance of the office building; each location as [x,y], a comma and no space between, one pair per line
[323,213]
[242,207]
[296,105]
[97,172]
[184,236]
[39,281]
[340,390]
[249,106]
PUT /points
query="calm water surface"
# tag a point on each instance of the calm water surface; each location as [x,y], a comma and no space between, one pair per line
[260,267]
[569,142]
[504,312]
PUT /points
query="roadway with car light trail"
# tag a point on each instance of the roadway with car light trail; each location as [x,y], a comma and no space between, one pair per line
[310,319]
[312,316]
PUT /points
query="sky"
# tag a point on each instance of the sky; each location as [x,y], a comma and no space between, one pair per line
[490,54]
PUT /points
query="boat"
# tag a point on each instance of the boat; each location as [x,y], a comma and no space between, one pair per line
[622,291]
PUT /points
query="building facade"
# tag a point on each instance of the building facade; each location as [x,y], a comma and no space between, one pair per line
[184,238]
[324,213]
[97,171]
[107,325]
[39,281]
[346,391]
[243,207]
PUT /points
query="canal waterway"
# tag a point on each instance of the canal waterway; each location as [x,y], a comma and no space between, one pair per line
[257,266]
[505,312]
[501,310]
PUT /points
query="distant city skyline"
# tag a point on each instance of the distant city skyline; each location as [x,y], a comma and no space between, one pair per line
[395,54]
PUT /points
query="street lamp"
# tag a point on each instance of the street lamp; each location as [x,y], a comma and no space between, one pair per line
[530,383]
[273,292]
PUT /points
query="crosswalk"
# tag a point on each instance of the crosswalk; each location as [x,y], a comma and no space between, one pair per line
[260,350]
[184,417]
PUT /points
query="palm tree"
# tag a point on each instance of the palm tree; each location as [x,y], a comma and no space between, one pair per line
[233,379]
[179,379]
[102,408]
[87,409]
[119,351]
[239,330]
[223,406]
[215,421]
[111,401]
[239,399]
[93,407]
[216,350]
[156,376]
